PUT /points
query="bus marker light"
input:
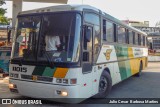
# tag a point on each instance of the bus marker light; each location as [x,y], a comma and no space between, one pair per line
[14,75]
[59,80]
[65,81]
[73,81]
[11,74]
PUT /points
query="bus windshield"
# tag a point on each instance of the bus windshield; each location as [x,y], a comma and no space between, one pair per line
[49,38]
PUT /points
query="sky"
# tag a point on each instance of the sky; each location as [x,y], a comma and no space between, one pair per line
[136,10]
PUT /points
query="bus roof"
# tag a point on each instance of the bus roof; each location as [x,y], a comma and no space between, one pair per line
[80,8]
[60,8]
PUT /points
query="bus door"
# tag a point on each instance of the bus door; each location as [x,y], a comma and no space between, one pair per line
[88,56]
[87,52]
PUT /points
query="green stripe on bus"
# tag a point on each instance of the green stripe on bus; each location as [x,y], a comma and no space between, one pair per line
[124,66]
[49,71]
[38,70]
[128,68]
[122,70]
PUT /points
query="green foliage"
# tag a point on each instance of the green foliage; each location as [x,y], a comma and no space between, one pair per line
[3,19]
[2,11]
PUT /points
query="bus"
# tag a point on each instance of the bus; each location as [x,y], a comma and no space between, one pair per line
[96,52]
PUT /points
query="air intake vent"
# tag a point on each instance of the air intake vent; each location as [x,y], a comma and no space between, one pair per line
[39,78]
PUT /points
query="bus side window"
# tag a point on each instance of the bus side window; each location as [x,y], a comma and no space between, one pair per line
[139,39]
[130,37]
[144,42]
[104,30]
[94,20]
[133,37]
[121,34]
[115,33]
[136,39]
[108,31]
[127,36]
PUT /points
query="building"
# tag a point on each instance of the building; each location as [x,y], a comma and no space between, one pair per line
[137,23]
[143,26]
[154,47]
[149,30]
[154,41]
[153,33]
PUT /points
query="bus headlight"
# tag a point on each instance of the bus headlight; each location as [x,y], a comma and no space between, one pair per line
[11,86]
[64,93]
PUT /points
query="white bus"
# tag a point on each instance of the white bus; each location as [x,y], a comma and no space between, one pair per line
[96,51]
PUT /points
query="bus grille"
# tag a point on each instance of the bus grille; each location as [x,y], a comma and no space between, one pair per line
[39,78]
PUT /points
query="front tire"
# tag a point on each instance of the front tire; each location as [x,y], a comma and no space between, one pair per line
[105,85]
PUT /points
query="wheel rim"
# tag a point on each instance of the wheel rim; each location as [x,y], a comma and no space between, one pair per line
[103,84]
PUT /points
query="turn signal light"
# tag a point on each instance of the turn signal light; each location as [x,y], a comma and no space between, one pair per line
[73,81]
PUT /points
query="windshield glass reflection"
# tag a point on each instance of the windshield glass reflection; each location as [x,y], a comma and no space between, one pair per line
[50,38]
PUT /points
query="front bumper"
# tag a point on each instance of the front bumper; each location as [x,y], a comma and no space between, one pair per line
[48,91]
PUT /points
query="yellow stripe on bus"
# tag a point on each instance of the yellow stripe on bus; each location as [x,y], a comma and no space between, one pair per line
[60,72]
[134,63]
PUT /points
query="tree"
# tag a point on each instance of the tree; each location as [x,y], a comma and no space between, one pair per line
[3,19]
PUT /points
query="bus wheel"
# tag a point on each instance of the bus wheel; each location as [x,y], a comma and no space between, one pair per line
[105,85]
[140,70]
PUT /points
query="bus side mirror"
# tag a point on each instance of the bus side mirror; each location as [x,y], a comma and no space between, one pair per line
[87,34]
